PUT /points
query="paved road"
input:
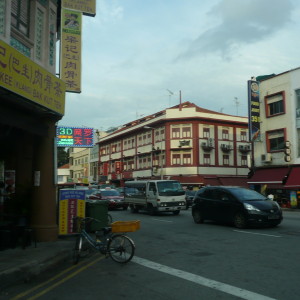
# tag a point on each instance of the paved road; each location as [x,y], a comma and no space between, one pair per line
[178,259]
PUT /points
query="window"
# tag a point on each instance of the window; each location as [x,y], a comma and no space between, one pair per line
[275,140]
[175,132]
[20,10]
[225,134]
[226,160]
[244,160]
[176,159]
[243,136]
[206,158]
[206,132]
[186,132]
[275,104]
[187,159]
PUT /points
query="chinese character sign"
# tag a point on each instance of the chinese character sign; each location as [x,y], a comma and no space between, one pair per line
[70,67]
[254,110]
[71,204]
[74,137]
[87,7]
[22,76]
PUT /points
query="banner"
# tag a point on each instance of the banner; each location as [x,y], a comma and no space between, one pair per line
[70,65]
[87,7]
[254,110]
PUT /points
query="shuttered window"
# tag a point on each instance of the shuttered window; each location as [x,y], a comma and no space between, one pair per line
[20,15]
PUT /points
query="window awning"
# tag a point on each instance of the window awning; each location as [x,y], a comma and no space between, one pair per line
[294,178]
[234,181]
[268,176]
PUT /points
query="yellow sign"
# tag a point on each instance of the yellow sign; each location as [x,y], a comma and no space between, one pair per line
[24,77]
[87,7]
[70,68]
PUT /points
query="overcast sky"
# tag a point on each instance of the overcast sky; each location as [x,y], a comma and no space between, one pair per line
[138,54]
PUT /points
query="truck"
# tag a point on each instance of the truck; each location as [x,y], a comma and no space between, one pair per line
[155,196]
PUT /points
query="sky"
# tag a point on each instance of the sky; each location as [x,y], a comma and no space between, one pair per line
[139,56]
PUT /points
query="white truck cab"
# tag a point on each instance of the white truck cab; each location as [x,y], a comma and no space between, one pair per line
[155,196]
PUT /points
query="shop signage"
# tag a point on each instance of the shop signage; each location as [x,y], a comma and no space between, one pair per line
[71,204]
[87,7]
[74,137]
[70,67]
[254,110]
[21,75]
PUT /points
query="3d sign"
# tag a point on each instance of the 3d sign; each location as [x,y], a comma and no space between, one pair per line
[74,137]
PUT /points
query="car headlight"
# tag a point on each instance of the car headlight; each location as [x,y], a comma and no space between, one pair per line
[251,207]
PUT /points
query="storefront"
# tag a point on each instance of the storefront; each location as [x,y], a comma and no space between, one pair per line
[30,105]
[281,182]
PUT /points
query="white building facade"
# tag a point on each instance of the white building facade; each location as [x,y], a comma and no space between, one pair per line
[276,167]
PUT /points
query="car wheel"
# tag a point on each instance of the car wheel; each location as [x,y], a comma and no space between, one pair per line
[197,216]
[239,220]
[176,212]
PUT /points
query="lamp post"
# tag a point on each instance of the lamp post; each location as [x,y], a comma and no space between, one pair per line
[160,156]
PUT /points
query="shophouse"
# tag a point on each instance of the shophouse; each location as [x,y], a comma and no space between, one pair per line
[276,168]
[185,142]
[32,100]
[63,174]
[80,164]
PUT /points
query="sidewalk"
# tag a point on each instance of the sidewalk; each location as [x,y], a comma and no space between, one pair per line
[23,264]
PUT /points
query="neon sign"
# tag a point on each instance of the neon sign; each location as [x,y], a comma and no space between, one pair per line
[74,137]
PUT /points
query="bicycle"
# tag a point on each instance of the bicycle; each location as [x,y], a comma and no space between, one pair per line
[110,241]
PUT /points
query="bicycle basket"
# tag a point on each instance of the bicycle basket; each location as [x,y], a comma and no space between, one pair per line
[125,226]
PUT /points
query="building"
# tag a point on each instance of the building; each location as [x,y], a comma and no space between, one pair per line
[185,142]
[32,100]
[63,174]
[79,164]
[276,168]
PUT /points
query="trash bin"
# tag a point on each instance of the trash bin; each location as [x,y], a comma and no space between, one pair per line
[96,209]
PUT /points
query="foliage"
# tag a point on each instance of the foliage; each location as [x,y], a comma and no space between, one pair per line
[62,156]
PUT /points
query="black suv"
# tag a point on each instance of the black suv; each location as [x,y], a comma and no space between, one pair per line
[237,205]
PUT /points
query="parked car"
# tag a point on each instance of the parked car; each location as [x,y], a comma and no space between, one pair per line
[189,197]
[240,206]
[114,198]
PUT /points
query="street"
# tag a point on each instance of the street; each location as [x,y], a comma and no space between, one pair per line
[178,259]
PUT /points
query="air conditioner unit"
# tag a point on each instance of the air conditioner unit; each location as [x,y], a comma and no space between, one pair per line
[210,142]
[267,157]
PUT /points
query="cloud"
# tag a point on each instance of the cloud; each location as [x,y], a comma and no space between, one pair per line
[241,22]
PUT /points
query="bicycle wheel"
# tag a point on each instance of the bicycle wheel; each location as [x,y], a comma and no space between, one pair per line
[77,250]
[121,248]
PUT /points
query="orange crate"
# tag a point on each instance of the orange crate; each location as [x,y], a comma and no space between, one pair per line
[125,226]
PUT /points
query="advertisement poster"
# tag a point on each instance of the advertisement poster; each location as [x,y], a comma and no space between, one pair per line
[254,110]
[71,204]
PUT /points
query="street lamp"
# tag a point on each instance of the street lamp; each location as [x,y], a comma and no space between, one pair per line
[160,156]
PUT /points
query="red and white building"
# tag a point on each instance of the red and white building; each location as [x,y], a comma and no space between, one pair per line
[185,142]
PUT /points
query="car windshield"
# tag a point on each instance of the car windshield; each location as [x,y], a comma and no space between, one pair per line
[247,195]
[170,188]
[90,191]
[110,193]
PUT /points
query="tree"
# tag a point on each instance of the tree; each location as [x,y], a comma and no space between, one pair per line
[62,156]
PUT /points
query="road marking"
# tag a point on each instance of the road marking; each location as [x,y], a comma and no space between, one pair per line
[44,291]
[249,232]
[162,220]
[223,287]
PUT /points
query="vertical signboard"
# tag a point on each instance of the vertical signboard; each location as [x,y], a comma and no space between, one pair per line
[70,67]
[87,7]
[254,110]
[71,204]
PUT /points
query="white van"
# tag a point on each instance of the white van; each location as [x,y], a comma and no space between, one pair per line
[155,196]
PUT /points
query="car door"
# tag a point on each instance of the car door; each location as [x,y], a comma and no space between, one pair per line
[226,206]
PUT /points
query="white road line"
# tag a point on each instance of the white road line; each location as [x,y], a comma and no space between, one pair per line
[162,220]
[249,232]
[226,288]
